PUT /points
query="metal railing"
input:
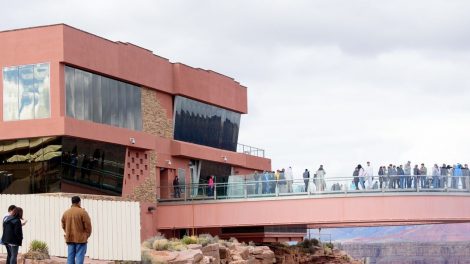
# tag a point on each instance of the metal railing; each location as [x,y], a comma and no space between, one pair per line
[101,179]
[313,187]
[249,150]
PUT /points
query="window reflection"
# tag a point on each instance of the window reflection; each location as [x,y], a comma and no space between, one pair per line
[26,92]
[93,163]
[205,124]
[102,100]
[41,165]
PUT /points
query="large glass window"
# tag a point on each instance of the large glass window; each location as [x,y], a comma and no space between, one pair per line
[39,165]
[26,91]
[103,100]
[92,163]
[205,124]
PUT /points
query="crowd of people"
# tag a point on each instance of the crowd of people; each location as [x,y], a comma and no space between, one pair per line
[406,177]
[392,176]
[283,179]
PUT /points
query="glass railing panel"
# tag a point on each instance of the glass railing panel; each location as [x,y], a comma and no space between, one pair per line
[268,188]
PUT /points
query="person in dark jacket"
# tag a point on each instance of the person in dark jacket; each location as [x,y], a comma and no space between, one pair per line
[13,234]
[306,177]
[176,187]
[381,175]
[356,176]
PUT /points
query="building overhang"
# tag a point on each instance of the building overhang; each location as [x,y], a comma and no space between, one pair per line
[194,151]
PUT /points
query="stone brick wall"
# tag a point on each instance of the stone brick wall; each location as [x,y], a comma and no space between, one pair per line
[154,116]
[147,190]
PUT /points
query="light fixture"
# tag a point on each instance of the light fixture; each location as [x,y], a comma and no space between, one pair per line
[168,162]
[151,209]
[132,140]
[225,158]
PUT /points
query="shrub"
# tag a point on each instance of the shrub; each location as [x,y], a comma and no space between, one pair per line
[308,243]
[205,239]
[176,245]
[38,250]
[233,240]
[147,244]
[151,240]
[40,246]
[189,240]
[160,244]
[329,245]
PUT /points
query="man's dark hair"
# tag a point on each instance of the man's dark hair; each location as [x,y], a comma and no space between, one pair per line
[75,200]
[11,207]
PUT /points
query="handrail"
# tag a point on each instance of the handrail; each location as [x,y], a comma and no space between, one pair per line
[247,188]
[249,150]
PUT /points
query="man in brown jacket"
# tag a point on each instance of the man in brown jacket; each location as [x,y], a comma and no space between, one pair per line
[77,226]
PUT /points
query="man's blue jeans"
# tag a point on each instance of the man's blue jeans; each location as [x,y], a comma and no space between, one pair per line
[76,253]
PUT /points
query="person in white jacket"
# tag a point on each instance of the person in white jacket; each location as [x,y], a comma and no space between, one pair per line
[289,178]
[321,186]
[369,174]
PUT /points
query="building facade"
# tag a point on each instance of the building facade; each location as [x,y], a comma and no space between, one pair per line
[83,114]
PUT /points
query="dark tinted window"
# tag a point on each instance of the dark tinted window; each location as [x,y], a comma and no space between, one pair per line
[39,165]
[205,124]
[102,100]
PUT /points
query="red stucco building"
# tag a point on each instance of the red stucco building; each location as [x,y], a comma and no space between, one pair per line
[83,114]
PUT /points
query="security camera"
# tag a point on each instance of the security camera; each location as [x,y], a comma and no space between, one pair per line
[132,140]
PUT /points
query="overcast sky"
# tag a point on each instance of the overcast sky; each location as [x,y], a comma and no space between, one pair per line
[329,82]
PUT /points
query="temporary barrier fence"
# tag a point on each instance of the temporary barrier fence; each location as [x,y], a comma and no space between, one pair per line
[115,224]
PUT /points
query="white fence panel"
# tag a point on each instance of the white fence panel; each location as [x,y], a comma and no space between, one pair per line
[116,225]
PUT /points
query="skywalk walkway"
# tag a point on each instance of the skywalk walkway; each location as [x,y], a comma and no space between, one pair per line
[250,189]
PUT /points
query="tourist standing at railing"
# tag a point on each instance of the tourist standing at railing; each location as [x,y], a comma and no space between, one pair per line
[256,178]
[273,182]
[401,177]
[416,176]
[443,180]
[361,173]
[277,178]
[321,178]
[381,176]
[435,176]
[450,173]
[423,172]
[265,185]
[369,175]
[176,187]
[394,177]
[289,178]
[465,173]
[306,177]
[211,186]
[356,176]
[457,174]
[407,169]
